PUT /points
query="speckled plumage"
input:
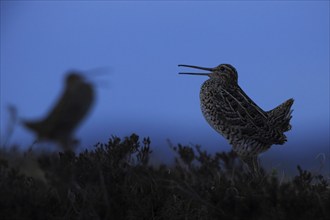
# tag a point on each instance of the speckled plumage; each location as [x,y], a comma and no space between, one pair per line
[249,129]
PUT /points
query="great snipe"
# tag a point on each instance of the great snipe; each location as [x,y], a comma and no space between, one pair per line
[249,129]
[68,112]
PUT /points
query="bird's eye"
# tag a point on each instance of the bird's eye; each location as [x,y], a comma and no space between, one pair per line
[222,68]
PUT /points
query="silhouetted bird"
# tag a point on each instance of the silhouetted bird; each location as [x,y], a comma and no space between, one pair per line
[69,111]
[249,129]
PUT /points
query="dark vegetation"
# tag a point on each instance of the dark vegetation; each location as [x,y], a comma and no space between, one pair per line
[115,181]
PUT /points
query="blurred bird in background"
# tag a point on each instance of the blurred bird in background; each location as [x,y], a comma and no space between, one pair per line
[72,107]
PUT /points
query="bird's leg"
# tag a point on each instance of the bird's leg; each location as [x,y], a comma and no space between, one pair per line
[69,144]
[256,166]
[253,165]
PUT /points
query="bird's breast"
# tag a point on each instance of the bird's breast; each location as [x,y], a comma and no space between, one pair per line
[209,105]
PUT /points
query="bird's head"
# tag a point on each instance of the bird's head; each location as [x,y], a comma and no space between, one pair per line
[223,70]
[73,78]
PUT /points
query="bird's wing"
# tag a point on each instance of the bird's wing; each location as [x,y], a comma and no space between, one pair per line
[235,108]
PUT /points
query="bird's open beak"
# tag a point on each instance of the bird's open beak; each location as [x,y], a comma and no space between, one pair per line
[197,67]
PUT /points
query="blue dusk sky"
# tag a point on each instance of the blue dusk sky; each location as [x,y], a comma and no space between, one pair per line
[279,48]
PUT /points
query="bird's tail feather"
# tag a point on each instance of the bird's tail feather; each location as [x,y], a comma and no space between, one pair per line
[281,115]
[34,126]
